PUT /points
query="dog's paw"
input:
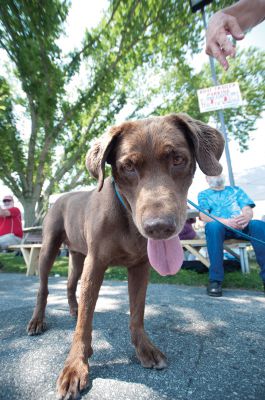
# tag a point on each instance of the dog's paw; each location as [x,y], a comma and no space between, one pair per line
[148,355]
[72,380]
[151,357]
[36,326]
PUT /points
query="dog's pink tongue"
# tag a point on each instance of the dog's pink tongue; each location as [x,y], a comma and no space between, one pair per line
[165,256]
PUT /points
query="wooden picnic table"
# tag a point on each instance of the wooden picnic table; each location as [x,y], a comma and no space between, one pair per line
[32,229]
[31,252]
[194,246]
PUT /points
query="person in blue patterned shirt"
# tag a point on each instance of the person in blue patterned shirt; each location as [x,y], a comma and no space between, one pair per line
[233,207]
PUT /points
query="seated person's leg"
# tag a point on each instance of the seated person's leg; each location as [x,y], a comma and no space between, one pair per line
[215,236]
[8,240]
[256,229]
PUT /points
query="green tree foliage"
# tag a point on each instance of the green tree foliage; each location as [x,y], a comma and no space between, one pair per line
[11,155]
[178,92]
[132,38]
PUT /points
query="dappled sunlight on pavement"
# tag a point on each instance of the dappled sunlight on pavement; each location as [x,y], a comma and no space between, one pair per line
[215,347]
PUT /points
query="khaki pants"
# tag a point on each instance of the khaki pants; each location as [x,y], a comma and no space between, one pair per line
[9,240]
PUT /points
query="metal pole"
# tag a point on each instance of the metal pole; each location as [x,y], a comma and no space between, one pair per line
[220,114]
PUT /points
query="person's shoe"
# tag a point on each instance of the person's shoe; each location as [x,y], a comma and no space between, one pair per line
[214,289]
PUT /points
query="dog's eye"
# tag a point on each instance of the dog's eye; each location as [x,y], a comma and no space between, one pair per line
[178,160]
[128,167]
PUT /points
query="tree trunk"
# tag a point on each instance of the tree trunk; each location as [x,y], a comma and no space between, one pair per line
[29,206]
[41,210]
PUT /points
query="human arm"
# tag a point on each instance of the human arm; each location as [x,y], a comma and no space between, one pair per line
[246,205]
[238,222]
[4,213]
[226,221]
[233,20]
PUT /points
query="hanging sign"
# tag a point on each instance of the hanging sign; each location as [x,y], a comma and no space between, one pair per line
[219,97]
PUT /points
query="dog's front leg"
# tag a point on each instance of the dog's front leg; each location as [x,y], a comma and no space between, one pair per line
[147,353]
[74,376]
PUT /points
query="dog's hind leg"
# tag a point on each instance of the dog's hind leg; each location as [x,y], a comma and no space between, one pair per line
[147,353]
[49,250]
[77,260]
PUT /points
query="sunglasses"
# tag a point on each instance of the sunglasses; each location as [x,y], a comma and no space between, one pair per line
[7,201]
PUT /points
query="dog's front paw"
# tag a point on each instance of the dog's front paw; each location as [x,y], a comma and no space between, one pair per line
[149,355]
[72,380]
[36,326]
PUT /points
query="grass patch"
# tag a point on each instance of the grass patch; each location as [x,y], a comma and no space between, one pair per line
[9,262]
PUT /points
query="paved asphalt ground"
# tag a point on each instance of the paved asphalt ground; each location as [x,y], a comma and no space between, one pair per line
[215,347]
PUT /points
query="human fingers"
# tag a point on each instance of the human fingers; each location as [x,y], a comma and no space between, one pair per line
[230,222]
[242,220]
[214,50]
[218,44]
[226,46]
[240,223]
[234,224]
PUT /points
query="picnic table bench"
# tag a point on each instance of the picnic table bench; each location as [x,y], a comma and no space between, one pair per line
[194,246]
[31,253]
[31,246]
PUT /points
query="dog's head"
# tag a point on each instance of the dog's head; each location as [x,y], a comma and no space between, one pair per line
[153,163]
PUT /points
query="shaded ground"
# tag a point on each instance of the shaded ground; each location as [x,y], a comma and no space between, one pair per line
[215,347]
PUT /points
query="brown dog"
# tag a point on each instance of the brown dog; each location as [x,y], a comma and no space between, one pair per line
[132,222]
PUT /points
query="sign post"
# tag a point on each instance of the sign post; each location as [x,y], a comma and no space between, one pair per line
[195,6]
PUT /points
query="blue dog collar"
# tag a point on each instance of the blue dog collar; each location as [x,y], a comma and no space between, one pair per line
[117,193]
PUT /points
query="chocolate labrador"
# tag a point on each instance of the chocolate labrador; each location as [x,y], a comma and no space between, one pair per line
[132,219]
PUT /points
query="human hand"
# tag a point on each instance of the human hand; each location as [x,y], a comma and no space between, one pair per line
[217,43]
[233,223]
[242,220]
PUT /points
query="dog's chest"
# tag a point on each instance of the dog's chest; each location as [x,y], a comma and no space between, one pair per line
[131,252]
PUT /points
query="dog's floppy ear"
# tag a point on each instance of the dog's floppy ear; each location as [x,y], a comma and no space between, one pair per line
[208,143]
[97,155]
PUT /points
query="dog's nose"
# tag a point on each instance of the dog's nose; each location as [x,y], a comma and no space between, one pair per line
[159,228]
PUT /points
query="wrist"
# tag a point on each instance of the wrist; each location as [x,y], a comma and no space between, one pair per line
[247,13]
